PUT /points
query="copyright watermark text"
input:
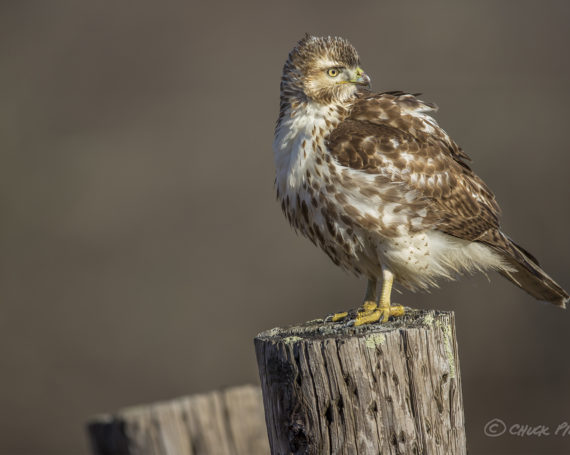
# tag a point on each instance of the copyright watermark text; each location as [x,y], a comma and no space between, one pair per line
[497,427]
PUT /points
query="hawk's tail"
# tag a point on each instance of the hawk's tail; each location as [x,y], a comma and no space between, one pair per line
[528,275]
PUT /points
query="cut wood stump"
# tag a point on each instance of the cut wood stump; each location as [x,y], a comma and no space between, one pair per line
[390,388]
[229,422]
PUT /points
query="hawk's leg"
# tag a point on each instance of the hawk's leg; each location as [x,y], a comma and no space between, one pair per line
[385,309]
[368,306]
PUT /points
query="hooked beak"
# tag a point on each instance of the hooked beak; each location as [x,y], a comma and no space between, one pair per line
[360,77]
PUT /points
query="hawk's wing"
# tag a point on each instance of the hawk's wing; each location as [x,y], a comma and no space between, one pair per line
[391,134]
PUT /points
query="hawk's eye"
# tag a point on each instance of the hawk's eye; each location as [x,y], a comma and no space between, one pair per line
[333,72]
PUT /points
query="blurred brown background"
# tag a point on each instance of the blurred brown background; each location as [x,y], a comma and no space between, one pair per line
[142,248]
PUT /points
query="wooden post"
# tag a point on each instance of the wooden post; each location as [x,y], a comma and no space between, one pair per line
[217,423]
[389,388]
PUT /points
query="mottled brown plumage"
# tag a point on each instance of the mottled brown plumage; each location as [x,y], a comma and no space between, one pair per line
[378,131]
[379,186]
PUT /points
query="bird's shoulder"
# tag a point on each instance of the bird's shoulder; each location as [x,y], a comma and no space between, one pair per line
[389,118]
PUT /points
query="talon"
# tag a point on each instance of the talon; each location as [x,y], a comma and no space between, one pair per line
[367,308]
[335,317]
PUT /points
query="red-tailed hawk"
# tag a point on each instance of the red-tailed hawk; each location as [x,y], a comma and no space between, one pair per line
[381,188]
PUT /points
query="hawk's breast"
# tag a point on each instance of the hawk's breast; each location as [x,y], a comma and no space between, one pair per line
[345,211]
[307,178]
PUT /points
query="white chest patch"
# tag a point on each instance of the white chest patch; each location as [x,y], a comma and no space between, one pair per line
[296,140]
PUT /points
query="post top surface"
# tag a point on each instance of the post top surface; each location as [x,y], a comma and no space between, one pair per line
[318,329]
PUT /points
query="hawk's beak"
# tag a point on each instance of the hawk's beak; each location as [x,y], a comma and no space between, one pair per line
[360,77]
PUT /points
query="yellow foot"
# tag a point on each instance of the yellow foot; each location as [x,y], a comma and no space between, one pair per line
[335,317]
[368,313]
[367,307]
[381,314]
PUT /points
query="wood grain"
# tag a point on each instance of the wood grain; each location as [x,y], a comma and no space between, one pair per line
[391,388]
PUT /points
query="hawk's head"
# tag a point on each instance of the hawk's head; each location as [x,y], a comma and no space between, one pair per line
[325,70]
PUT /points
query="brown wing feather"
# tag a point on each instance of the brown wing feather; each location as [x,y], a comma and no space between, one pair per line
[391,135]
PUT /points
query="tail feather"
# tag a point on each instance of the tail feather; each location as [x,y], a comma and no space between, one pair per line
[527,274]
[524,251]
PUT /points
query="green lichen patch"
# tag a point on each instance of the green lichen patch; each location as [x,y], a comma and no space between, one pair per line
[374,340]
[428,319]
[291,339]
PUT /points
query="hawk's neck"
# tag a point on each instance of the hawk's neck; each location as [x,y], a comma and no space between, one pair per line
[300,136]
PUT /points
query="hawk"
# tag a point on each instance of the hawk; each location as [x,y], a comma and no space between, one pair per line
[375,182]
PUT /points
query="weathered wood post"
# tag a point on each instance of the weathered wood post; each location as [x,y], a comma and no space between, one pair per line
[389,388]
[228,422]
